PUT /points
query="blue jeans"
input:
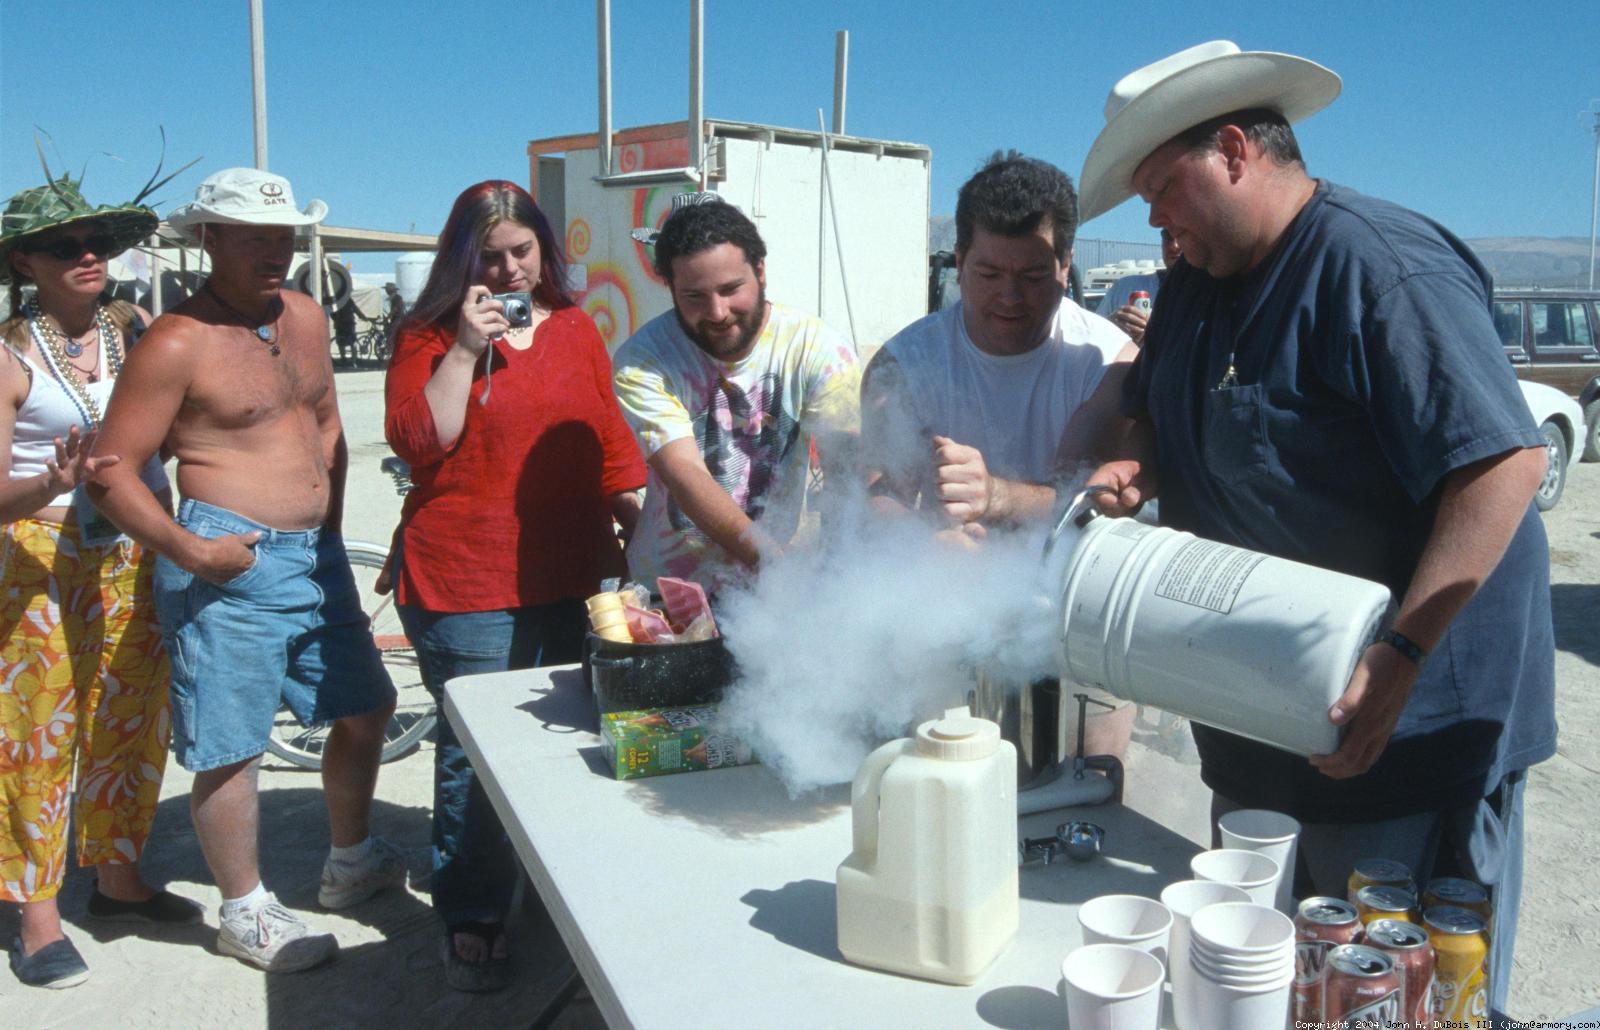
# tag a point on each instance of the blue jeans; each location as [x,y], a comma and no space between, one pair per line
[474,866]
[1481,841]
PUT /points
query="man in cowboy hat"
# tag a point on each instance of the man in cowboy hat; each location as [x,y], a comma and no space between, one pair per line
[254,591]
[966,412]
[1322,380]
[722,393]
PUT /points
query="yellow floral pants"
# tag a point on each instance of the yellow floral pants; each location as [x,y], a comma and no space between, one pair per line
[83,685]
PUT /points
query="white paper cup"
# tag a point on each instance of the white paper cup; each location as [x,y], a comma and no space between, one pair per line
[1239,975]
[1268,833]
[1256,873]
[1127,919]
[1224,1005]
[1112,987]
[1183,899]
[1242,933]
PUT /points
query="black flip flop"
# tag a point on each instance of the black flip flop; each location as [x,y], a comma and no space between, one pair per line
[492,974]
[56,965]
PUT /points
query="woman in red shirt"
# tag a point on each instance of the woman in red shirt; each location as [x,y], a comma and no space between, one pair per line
[521,461]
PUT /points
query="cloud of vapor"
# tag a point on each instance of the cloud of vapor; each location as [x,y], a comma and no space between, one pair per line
[853,641]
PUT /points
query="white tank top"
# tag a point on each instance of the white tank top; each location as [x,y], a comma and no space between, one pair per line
[50,410]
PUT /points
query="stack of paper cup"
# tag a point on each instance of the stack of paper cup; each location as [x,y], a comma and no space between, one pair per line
[1183,899]
[608,619]
[1267,833]
[1241,956]
[1256,873]
[1112,987]
[1127,919]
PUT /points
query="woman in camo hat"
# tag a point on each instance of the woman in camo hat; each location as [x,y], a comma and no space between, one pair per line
[85,677]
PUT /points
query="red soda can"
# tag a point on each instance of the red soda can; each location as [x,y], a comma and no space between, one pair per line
[1360,989]
[1408,945]
[1320,925]
[1141,300]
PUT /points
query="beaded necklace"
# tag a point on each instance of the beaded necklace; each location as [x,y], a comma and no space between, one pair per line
[48,339]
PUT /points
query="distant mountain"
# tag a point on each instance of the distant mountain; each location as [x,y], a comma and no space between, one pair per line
[1535,260]
[1550,261]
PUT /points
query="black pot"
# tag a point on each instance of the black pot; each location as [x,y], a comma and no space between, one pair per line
[628,677]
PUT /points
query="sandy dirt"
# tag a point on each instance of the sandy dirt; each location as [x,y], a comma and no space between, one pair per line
[389,973]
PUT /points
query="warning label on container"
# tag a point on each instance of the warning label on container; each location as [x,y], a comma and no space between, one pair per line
[1207,574]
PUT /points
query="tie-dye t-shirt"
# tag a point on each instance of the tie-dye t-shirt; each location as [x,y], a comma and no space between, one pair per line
[752,421]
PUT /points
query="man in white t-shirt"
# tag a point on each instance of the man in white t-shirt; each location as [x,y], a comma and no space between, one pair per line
[724,394]
[973,413]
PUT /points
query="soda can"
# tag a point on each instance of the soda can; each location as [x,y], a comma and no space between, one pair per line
[1386,903]
[1379,872]
[1141,300]
[1461,966]
[1467,894]
[1360,989]
[1407,944]
[1320,925]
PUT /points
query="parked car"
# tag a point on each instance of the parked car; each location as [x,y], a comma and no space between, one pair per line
[1561,421]
[1551,337]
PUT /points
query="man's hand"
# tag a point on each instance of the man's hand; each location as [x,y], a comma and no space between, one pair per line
[1370,706]
[1132,321]
[965,487]
[226,557]
[1131,485]
[73,465]
[968,537]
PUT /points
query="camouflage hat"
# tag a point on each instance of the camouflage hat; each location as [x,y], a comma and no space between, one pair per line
[60,202]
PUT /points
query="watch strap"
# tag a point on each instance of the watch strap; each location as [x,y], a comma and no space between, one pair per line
[1408,648]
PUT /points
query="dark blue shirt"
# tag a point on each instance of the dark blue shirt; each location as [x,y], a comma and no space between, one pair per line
[1368,369]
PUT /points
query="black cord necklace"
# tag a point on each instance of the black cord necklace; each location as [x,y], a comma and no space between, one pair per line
[266,332]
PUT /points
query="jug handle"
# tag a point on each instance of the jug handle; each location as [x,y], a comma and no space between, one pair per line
[864,795]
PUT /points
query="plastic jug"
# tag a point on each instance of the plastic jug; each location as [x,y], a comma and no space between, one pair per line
[930,887]
[1243,641]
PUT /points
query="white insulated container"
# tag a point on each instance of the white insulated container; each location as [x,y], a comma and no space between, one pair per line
[1232,638]
[930,887]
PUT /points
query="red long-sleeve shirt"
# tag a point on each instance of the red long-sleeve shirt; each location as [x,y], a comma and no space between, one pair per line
[517,512]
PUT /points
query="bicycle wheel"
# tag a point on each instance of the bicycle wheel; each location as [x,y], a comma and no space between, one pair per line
[414,713]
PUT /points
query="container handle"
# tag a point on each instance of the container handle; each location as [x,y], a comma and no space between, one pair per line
[864,796]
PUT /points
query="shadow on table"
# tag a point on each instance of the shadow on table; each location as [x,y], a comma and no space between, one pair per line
[567,707]
[802,914]
[1021,1008]
[1159,857]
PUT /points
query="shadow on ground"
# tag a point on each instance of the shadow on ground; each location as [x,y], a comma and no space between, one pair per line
[1575,608]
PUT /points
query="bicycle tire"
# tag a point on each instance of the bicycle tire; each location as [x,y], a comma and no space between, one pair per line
[415,711]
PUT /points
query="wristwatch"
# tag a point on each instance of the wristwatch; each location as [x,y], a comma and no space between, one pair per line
[1407,647]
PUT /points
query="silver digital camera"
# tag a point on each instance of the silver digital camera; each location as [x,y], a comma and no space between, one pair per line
[518,308]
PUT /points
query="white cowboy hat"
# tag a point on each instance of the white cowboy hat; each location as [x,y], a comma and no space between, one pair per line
[1152,105]
[243,196]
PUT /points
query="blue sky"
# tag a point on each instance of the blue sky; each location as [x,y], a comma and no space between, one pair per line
[1470,112]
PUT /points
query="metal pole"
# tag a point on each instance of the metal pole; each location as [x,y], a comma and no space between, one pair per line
[841,65]
[258,82]
[1594,202]
[603,41]
[838,241]
[697,114]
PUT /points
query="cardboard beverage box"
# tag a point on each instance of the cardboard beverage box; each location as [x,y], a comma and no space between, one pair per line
[655,741]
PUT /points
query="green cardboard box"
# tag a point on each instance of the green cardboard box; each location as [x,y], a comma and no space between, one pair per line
[656,741]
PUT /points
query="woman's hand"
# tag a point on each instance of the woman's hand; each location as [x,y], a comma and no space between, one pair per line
[482,320]
[73,466]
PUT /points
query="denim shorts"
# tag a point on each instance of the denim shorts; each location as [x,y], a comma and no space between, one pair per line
[288,629]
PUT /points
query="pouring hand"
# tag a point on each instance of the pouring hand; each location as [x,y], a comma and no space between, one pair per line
[1131,485]
[965,487]
[1370,706]
[968,537]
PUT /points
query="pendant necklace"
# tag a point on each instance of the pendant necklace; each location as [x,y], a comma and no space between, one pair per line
[50,341]
[266,332]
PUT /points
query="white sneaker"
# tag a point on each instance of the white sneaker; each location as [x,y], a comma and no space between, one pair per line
[272,937]
[350,883]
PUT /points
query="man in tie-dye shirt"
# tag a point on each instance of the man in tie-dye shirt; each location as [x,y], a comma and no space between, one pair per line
[725,393]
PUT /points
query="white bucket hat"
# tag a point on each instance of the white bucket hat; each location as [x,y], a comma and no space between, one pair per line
[243,196]
[1152,105]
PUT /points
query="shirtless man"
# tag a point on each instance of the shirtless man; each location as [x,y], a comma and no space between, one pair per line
[253,588]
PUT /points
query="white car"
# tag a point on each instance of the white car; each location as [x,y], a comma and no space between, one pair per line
[1561,420]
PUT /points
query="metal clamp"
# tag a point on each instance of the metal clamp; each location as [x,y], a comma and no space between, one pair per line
[1078,840]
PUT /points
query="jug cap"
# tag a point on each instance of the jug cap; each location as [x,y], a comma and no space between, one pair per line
[958,738]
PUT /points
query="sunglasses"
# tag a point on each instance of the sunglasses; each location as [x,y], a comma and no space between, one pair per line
[68,248]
